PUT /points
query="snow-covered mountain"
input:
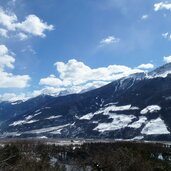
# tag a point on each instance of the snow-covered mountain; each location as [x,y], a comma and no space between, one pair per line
[133,107]
[162,71]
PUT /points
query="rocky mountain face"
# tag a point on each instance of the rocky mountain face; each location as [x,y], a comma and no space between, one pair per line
[136,107]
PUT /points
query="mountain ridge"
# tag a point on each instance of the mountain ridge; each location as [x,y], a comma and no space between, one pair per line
[129,108]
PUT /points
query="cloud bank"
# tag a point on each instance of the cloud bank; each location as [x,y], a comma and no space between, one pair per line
[76,76]
[73,77]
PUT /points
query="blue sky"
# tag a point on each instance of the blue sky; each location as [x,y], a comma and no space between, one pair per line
[74,45]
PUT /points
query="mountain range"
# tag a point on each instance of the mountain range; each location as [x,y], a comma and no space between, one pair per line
[136,107]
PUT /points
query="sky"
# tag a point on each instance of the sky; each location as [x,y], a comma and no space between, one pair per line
[48,47]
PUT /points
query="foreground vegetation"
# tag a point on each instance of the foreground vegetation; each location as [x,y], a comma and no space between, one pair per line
[116,156]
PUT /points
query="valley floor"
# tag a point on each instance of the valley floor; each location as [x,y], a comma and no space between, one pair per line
[83,155]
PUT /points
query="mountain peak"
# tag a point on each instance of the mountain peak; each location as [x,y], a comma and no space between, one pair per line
[162,71]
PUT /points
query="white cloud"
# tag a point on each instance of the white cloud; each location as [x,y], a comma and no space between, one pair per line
[167,35]
[12,97]
[7,19]
[3,32]
[9,80]
[109,40]
[32,25]
[5,59]
[22,36]
[75,76]
[51,80]
[167,59]
[146,66]
[162,6]
[3,50]
[144,17]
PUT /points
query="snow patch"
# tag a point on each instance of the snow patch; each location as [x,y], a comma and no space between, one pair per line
[49,129]
[25,121]
[31,121]
[107,110]
[160,157]
[138,138]
[110,104]
[32,116]
[37,113]
[88,116]
[119,121]
[54,117]
[15,103]
[150,109]
[57,131]
[43,137]
[21,122]
[29,117]
[155,127]
[115,108]
[138,124]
